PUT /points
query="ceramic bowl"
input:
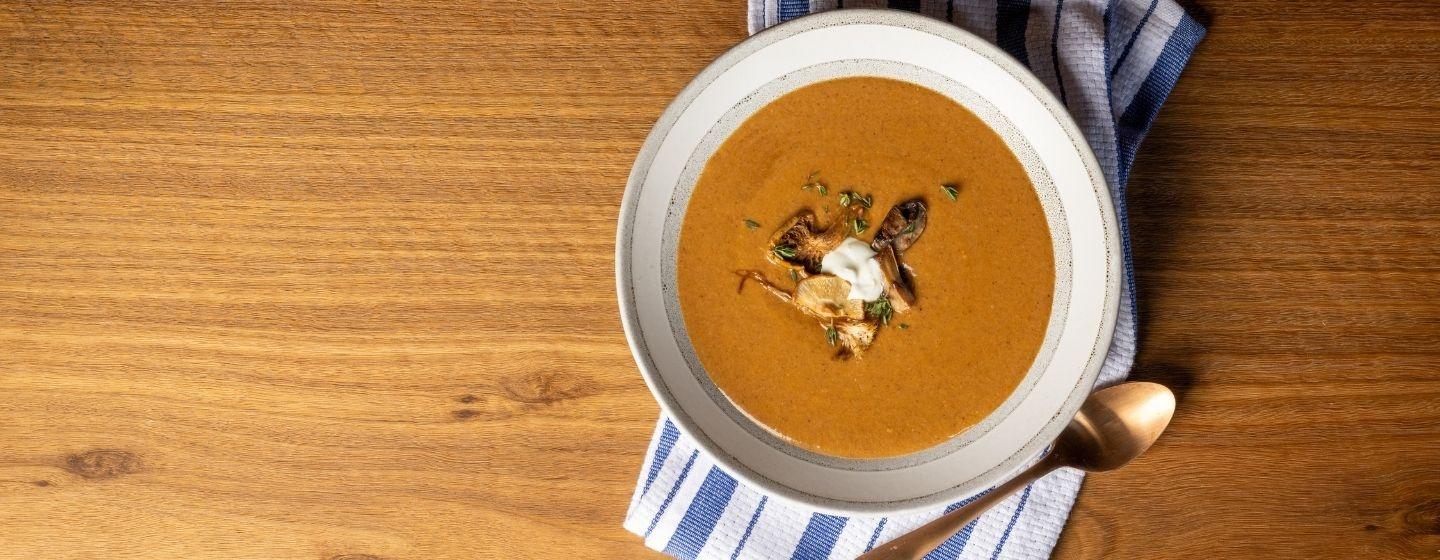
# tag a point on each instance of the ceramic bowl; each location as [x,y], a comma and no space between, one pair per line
[1049,145]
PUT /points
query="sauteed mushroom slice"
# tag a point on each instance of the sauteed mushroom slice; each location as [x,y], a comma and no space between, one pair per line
[801,243]
[852,337]
[897,287]
[902,226]
[828,296]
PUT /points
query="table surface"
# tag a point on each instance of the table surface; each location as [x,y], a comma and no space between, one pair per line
[330,280]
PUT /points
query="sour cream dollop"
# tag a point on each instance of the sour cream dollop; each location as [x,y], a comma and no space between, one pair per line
[854,262]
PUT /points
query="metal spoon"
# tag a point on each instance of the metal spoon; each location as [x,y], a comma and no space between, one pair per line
[1114,426]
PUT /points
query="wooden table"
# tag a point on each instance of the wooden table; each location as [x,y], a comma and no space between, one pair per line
[330,280]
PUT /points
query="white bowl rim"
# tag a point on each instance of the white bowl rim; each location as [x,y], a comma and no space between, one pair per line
[624,262]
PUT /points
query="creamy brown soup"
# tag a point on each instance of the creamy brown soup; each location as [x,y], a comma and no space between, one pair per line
[983,271]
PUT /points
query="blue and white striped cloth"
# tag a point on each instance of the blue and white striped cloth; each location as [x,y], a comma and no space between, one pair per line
[1112,63]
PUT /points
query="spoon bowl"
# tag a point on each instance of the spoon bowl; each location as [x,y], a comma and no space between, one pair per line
[1113,427]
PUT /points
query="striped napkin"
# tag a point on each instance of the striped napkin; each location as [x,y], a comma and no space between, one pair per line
[1112,64]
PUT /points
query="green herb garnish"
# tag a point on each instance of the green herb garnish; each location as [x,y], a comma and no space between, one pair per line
[831,335]
[951,192]
[784,251]
[850,197]
[880,309]
[909,228]
[904,326]
[859,225]
[752,224]
[813,182]
[794,276]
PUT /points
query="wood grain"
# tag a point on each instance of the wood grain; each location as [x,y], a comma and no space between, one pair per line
[334,280]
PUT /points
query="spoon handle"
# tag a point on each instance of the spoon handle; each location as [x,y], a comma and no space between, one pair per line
[916,544]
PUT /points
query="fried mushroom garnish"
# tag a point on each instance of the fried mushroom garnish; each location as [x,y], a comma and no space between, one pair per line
[902,226]
[800,243]
[828,296]
[897,282]
[852,338]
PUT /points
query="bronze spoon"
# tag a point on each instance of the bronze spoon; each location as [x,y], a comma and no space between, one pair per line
[1114,426]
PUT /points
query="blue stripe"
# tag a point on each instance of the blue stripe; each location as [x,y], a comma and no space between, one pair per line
[791,9]
[1055,52]
[1024,498]
[1138,117]
[704,512]
[876,535]
[819,537]
[1011,18]
[1107,21]
[750,528]
[953,546]
[673,490]
[668,435]
[1133,36]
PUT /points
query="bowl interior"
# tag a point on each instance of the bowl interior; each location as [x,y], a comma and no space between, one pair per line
[1049,146]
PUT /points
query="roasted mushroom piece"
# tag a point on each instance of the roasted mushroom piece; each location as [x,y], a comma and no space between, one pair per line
[852,338]
[801,242]
[828,296]
[902,226]
[900,230]
[897,287]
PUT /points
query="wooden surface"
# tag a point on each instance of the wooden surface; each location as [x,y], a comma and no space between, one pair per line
[334,280]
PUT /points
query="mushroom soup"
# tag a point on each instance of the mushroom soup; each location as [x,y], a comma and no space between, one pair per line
[865,269]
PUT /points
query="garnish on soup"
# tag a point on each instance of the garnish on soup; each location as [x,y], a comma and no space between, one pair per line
[850,287]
